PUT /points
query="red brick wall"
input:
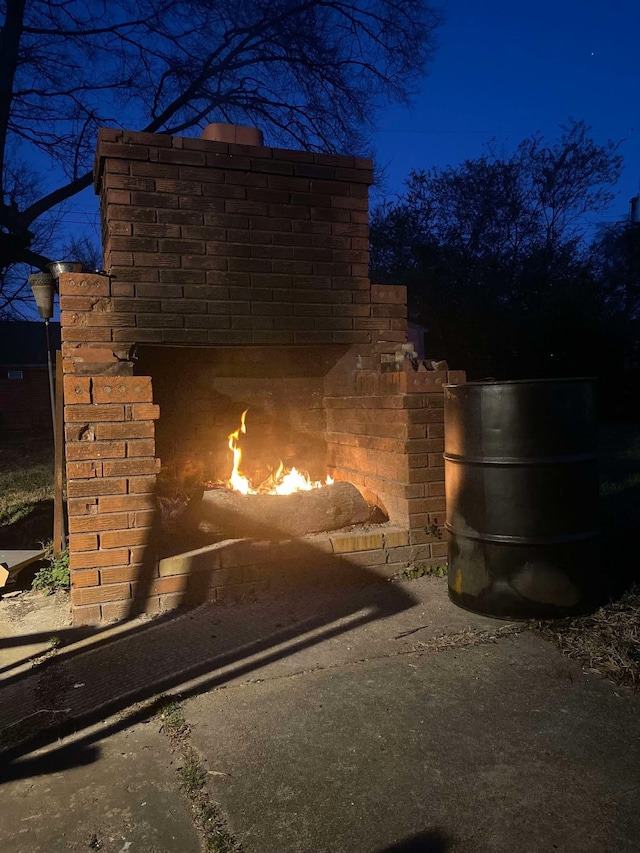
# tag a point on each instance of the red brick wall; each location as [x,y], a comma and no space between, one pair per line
[385,427]
[111,468]
[219,243]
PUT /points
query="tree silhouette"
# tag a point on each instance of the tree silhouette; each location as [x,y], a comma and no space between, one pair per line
[496,256]
[308,72]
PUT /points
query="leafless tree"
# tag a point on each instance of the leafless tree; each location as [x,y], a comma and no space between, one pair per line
[24,186]
[495,253]
[309,72]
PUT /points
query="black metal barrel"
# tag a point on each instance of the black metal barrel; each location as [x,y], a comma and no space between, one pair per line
[522,497]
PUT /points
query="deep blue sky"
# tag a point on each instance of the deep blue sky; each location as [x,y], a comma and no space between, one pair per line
[509,69]
[505,70]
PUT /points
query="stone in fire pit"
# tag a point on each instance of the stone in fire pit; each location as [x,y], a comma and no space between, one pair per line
[227,512]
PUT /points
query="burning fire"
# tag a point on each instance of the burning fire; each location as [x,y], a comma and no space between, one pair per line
[284,481]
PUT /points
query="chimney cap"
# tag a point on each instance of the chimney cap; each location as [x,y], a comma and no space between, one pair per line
[241,134]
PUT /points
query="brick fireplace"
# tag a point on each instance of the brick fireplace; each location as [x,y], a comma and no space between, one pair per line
[236,278]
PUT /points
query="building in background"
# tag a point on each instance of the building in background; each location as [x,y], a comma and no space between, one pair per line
[24,383]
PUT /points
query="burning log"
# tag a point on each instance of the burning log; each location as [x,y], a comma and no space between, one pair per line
[231,513]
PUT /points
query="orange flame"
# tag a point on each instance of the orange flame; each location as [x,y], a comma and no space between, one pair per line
[283,482]
[237,480]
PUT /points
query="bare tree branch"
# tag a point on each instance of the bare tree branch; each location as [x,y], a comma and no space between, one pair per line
[310,72]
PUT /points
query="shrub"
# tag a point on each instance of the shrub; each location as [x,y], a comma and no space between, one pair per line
[55,575]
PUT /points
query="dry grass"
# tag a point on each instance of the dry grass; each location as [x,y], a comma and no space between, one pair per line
[26,476]
[462,639]
[607,642]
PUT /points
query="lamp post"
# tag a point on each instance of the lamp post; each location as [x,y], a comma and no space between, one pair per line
[43,285]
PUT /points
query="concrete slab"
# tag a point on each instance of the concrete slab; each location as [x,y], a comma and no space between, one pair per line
[115,795]
[328,722]
[215,646]
[501,747]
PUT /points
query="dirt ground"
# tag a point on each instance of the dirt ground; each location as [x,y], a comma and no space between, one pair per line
[28,613]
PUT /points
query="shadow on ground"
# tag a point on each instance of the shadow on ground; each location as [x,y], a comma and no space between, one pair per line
[127,670]
[31,530]
[432,841]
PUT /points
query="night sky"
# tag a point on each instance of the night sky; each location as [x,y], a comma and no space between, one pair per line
[505,70]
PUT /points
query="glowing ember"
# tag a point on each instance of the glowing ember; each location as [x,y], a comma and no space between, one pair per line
[284,481]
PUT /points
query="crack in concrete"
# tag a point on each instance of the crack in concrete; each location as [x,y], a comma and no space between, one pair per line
[209,820]
[445,642]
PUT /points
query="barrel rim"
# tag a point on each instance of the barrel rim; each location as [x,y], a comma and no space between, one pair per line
[492,383]
[522,461]
[527,541]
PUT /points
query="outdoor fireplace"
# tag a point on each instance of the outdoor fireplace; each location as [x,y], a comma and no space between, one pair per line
[237,281]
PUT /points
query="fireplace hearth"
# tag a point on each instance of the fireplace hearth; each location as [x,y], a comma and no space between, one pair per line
[237,280]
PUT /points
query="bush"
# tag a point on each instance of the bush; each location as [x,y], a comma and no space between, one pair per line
[55,575]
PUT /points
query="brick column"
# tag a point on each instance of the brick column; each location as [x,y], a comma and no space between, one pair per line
[110,454]
[385,426]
